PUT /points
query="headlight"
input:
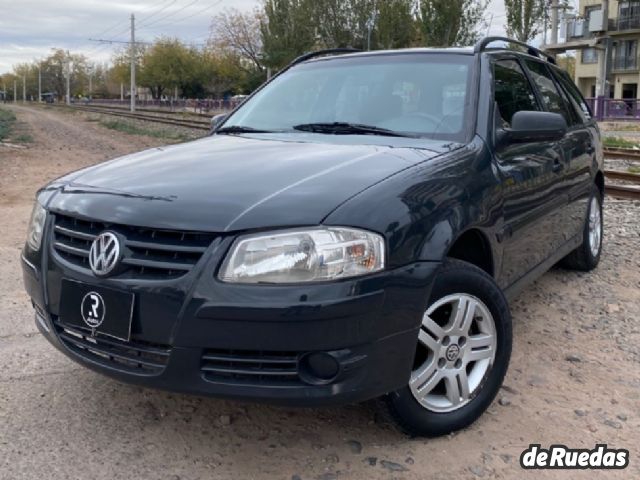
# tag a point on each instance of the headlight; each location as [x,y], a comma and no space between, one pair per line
[36,226]
[304,255]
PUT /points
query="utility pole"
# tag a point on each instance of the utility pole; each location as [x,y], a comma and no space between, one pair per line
[90,83]
[602,88]
[121,92]
[15,91]
[68,79]
[39,82]
[133,63]
[554,22]
[24,89]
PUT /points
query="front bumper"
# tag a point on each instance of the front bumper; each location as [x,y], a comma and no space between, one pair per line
[198,335]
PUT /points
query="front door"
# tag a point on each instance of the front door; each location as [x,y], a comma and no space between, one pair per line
[532,181]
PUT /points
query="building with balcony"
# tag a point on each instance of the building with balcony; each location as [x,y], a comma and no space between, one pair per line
[605,42]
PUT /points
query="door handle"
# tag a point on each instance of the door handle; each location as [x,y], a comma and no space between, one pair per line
[590,149]
[558,166]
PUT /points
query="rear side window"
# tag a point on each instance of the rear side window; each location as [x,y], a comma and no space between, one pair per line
[551,96]
[512,90]
[567,84]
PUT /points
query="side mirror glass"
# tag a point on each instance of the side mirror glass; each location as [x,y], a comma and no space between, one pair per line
[218,120]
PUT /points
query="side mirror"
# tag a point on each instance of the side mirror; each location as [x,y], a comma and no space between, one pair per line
[217,120]
[535,127]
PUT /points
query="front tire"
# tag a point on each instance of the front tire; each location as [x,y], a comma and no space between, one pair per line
[463,351]
[587,256]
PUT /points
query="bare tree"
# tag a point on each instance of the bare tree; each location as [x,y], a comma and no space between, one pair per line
[239,33]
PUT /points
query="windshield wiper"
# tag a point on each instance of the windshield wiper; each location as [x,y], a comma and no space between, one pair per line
[241,129]
[345,128]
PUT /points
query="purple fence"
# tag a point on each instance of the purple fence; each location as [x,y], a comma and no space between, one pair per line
[614,109]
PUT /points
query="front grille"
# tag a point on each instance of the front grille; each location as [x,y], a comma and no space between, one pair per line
[243,367]
[148,253]
[138,357]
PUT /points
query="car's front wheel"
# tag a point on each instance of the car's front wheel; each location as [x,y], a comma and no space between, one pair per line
[462,354]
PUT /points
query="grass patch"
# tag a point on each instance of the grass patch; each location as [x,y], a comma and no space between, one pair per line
[23,138]
[7,119]
[634,169]
[616,142]
[11,130]
[132,129]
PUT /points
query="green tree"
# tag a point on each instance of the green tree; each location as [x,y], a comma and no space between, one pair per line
[395,24]
[288,29]
[445,23]
[567,62]
[292,27]
[54,72]
[6,84]
[525,18]
[167,64]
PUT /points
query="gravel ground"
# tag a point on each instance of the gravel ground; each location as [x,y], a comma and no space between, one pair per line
[574,377]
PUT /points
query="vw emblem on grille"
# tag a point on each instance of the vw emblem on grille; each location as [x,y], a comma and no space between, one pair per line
[104,254]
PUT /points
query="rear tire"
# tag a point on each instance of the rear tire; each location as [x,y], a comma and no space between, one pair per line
[587,256]
[463,353]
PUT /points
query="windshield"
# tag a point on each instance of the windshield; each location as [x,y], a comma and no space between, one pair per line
[422,95]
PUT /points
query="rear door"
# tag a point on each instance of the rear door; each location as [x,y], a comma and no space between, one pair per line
[575,151]
[532,179]
[586,137]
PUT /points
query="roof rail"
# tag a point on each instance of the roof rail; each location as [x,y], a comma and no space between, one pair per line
[317,53]
[484,43]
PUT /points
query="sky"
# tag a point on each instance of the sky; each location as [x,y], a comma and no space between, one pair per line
[29,29]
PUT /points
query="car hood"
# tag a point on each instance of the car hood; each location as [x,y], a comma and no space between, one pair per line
[231,182]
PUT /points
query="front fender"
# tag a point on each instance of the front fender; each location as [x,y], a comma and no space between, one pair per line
[423,210]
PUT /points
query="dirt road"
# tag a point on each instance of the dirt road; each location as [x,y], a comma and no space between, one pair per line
[574,377]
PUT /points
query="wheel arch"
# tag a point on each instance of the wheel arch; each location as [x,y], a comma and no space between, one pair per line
[473,246]
[599,181]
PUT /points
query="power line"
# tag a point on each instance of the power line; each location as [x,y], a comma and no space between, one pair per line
[169,14]
[188,16]
[157,12]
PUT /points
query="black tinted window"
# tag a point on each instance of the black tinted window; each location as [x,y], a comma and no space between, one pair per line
[512,90]
[577,98]
[552,97]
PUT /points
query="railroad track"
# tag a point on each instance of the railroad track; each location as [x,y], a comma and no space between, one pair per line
[162,110]
[622,154]
[196,124]
[623,191]
[631,188]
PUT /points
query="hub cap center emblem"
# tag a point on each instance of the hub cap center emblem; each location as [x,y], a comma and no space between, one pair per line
[452,352]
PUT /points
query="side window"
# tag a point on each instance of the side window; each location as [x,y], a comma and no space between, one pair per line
[512,90]
[567,84]
[552,97]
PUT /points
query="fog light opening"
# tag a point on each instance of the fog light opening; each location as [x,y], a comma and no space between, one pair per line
[318,368]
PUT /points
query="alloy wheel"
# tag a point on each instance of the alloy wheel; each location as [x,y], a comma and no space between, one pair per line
[595,227]
[456,350]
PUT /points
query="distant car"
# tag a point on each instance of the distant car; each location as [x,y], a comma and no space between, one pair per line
[350,232]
